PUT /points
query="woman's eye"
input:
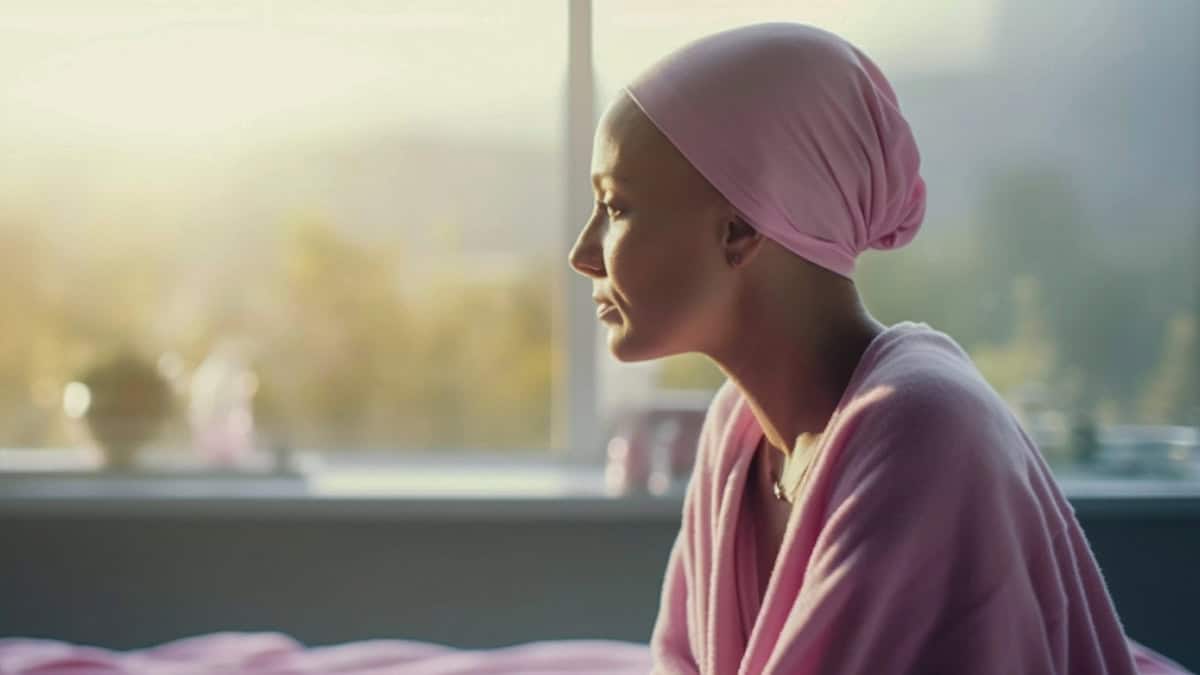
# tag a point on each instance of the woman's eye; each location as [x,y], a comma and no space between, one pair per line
[609,209]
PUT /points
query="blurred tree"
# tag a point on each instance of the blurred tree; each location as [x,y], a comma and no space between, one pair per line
[1031,224]
[1172,393]
[690,371]
[486,355]
[324,335]
[935,280]
[1028,357]
[346,362]
[1094,307]
[27,343]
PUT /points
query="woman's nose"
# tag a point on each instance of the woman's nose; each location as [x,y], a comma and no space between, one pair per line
[587,255]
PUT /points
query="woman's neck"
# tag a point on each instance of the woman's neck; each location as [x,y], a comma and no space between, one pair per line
[794,375]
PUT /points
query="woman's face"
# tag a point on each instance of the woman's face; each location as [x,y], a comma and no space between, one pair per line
[653,245]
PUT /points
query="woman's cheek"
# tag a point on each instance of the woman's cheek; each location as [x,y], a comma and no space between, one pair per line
[623,262]
[636,267]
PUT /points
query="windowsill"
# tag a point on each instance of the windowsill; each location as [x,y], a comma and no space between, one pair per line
[419,490]
[453,491]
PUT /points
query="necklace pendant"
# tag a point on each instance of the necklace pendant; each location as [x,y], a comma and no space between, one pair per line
[777,489]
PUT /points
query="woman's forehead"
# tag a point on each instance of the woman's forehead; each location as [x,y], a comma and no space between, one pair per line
[629,149]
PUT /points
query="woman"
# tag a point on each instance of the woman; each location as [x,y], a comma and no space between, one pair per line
[862,500]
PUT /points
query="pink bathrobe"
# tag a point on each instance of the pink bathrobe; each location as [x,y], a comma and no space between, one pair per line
[930,537]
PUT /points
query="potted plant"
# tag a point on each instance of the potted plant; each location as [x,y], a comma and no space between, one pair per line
[129,403]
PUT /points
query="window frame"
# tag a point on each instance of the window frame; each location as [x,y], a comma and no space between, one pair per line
[576,433]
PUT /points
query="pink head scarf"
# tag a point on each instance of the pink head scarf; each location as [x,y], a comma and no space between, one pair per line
[800,131]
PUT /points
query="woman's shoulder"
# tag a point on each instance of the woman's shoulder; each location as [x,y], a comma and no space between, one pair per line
[725,400]
[722,411]
[924,391]
[926,370]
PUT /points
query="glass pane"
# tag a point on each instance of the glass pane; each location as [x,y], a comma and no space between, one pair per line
[1060,146]
[233,227]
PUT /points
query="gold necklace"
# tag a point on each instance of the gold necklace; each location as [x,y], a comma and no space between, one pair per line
[790,470]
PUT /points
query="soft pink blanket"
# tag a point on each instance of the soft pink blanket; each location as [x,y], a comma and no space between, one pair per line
[277,654]
[930,538]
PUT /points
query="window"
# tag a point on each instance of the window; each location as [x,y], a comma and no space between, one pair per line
[238,226]
[234,230]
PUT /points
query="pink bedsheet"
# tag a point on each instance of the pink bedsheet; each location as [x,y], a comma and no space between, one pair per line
[278,654]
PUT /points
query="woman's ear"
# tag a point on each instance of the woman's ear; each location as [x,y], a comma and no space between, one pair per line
[741,241]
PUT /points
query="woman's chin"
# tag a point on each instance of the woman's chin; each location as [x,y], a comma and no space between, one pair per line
[629,347]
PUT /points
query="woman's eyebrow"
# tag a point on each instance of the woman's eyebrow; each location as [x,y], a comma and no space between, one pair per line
[615,179]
